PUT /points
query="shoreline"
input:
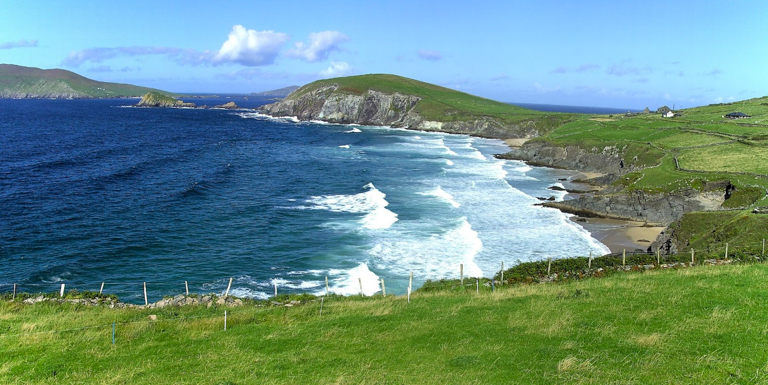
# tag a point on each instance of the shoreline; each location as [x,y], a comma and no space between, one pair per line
[618,234]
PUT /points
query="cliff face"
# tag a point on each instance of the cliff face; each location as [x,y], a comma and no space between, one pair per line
[606,161]
[384,109]
[663,208]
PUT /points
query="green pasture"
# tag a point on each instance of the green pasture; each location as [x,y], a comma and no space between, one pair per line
[702,325]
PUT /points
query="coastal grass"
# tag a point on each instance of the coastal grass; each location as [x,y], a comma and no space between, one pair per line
[698,325]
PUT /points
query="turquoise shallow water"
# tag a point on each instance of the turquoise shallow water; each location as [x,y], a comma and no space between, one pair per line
[93,191]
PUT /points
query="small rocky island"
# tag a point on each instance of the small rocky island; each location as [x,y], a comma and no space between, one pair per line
[156,99]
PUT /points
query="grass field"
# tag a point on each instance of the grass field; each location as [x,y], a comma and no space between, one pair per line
[703,325]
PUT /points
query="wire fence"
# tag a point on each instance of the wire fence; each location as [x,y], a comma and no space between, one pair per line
[141,292]
[219,316]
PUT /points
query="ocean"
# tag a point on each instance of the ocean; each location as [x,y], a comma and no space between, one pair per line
[96,191]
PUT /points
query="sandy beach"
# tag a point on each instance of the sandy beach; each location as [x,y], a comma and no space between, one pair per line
[616,234]
[619,234]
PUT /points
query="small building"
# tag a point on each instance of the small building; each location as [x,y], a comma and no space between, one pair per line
[668,114]
[736,115]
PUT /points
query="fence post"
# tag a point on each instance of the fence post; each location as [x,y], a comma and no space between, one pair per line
[102,288]
[589,261]
[145,295]
[186,287]
[410,286]
[477,283]
[360,281]
[275,289]
[549,265]
[624,258]
[658,256]
[502,273]
[228,286]
[692,256]
[14,292]
[383,288]
[726,250]
[461,273]
[61,293]
[327,291]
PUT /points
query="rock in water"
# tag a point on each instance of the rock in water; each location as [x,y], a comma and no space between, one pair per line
[228,106]
[156,99]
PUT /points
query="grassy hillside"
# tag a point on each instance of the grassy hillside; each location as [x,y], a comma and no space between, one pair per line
[18,81]
[703,325]
[438,103]
[687,151]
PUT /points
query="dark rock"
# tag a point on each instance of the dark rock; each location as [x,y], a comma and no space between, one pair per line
[227,106]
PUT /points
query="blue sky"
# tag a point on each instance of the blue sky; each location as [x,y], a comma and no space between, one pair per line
[593,53]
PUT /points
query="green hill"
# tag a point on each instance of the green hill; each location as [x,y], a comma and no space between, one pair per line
[437,103]
[702,325]
[18,82]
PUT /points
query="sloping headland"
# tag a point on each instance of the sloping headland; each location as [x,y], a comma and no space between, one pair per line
[696,171]
[19,82]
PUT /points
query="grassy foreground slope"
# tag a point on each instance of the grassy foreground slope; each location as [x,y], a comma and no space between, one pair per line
[437,103]
[28,82]
[703,325]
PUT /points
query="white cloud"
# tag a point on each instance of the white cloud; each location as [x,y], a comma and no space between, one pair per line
[321,44]
[544,89]
[249,47]
[337,68]
[18,44]
[429,54]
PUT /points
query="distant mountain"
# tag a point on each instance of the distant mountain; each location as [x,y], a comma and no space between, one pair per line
[19,82]
[279,93]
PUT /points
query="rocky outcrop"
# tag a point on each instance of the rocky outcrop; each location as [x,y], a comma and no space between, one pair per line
[387,109]
[227,106]
[156,99]
[373,107]
[607,160]
[663,208]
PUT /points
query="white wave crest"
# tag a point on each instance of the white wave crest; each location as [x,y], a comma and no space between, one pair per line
[372,203]
[443,195]
[353,130]
[344,146]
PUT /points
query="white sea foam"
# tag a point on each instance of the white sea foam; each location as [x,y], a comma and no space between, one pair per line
[348,282]
[443,195]
[436,255]
[344,146]
[353,130]
[371,202]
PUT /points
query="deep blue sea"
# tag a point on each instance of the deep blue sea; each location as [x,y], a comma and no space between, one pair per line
[96,191]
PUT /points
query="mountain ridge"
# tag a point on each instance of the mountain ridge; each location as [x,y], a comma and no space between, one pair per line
[20,82]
